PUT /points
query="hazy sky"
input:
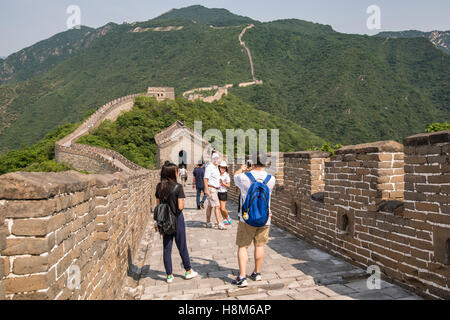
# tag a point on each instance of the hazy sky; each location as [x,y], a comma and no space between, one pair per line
[25,22]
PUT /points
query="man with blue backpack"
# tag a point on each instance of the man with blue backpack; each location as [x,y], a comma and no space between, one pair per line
[256,187]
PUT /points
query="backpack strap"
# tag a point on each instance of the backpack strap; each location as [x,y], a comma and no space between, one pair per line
[267,179]
[251,177]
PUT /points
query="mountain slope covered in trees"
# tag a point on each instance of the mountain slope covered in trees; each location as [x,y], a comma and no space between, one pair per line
[133,133]
[441,39]
[46,54]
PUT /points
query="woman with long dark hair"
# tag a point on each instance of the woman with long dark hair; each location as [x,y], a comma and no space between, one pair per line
[170,192]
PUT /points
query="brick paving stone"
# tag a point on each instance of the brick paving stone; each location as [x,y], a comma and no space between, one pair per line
[291,268]
[396,293]
[339,289]
[370,295]
[311,294]
[253,297]
[278,297]
[412,297]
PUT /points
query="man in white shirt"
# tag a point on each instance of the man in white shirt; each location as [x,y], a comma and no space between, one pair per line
[247,234]
[183,176]
[212,185]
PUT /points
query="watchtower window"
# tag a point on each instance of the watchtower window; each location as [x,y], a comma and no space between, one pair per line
[343,225]
[447,252]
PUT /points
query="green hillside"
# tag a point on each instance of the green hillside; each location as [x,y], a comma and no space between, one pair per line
[200,14]
[44,55]
[349,88]
[345,88]
[133,133]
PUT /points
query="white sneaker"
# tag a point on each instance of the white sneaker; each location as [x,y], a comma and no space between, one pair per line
[221,227]
[209,225]
[190,275]
[170,279]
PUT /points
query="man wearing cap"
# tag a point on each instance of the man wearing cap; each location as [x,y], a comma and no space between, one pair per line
[212,185]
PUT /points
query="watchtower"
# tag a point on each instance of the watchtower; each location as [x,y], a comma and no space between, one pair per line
[161,93]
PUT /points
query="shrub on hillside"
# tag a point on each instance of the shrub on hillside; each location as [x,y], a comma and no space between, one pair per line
[436,127]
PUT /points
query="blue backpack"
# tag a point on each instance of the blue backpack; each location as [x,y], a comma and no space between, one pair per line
[255,210]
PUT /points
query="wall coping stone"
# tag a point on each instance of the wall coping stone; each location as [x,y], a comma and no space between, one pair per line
[427,138]
[375,147]
[42,185]
[45,185]
[307,154]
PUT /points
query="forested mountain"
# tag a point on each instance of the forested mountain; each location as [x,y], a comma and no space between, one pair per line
[133,134]
[441,39]
[200,14]
[46,54]
[344,88]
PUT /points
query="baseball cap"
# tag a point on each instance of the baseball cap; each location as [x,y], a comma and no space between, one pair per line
[215,156]
[223,164]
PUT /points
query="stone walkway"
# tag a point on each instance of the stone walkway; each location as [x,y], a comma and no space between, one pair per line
[292,270]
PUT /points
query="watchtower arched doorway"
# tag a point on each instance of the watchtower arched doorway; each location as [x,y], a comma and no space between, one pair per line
[182,158]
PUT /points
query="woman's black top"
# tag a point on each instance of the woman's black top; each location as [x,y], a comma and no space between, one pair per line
[173,193]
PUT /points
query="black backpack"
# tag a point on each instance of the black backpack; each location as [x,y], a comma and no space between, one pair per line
[165,218]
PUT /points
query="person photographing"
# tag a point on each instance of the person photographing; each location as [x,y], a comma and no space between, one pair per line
[256,187]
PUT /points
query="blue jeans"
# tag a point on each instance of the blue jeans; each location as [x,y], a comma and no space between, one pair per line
[180,240]
[199,192]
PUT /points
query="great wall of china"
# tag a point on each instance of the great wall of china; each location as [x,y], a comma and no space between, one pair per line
[195,94]
[383,204]
[380,204]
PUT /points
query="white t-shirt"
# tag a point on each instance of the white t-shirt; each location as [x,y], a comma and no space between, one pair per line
[225,180]
[183,172]
[243,183]
[212,173]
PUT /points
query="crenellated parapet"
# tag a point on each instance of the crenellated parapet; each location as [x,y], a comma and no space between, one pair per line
[71,236]
[378,204]
[94,159]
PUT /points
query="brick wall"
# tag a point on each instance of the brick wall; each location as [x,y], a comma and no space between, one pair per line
[93,159]
[427,208]
[382,204]
[57,221]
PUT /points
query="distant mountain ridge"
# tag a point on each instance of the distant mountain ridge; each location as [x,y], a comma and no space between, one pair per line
[441,39]
[202,15]
[46,54]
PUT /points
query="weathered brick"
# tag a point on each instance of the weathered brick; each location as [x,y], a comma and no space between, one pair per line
[29,227]
[2,268]
[29,265]
[439,179]
[28,209]
[429,207]
[24,284]
[21,246]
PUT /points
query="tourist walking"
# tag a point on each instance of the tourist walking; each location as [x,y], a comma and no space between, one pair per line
[199,184]
[212,185]
[168,191]
[183,175]
[225,184]
[256,187]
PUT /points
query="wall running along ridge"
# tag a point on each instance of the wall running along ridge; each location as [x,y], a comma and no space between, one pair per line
[94,159]
[221,91]
[381,204]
